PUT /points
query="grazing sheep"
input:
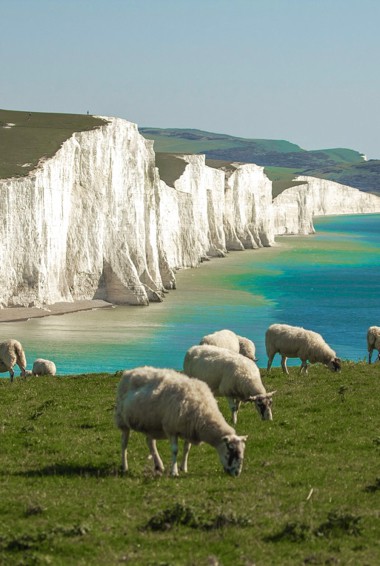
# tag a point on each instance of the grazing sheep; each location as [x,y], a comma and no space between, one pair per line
[296,342]
[230,375]
[373,341]
[44,367]
[163,403]
[231,341]
[11,353]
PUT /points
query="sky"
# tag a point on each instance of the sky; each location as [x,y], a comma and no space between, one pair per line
[306,71]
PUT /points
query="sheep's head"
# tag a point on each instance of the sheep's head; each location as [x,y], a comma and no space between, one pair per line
[263,404]
[231,453]
[334,364]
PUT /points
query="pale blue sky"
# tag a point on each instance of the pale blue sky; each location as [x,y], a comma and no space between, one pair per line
[307,71]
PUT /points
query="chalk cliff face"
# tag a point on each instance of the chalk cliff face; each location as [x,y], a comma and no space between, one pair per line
[248,211]
[96,221]
[294,208]
[83,224]
[190,214]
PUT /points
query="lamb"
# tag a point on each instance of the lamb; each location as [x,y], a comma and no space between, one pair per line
[12,353]
[296,342]
[231,341]
[230,375]
[163,403]
[373,341]
[44,367]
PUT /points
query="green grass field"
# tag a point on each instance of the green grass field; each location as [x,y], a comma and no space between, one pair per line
[26,137]
[308,493]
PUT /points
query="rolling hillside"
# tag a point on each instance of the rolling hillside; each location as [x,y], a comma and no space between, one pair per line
[282,160]
[27,137]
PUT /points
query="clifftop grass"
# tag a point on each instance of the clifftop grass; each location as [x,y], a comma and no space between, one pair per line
[308,493]
[26,137]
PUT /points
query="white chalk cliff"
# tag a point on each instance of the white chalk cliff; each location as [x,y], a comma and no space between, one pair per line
[96,221]
[294,208]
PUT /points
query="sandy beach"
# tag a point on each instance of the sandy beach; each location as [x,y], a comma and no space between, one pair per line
[24,313]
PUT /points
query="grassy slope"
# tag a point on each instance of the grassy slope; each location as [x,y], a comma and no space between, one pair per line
[309,490]
[282,160]
[35,135]
[170,166]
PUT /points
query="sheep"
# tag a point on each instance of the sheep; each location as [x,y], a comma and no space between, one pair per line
[373,341]
[11,353]
[230,375]
[44,367]
[296,342]
[231,341]
[164,403]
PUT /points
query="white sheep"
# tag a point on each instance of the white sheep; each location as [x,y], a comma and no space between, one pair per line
[163,403]
[296,342]
[12,353]
[230,375]
[44,367]
[231,341]
[373,341]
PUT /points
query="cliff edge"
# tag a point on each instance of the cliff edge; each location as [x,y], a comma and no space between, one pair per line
[96,221]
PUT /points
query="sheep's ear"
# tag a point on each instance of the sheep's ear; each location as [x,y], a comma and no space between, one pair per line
[271,393]
[244,438]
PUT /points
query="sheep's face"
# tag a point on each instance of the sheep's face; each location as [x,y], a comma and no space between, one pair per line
[231,453]
[263,404]
[334,364]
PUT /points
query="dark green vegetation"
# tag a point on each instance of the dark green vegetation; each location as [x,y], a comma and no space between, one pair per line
[308,493]
[170,166]
[282,160]
[27,137]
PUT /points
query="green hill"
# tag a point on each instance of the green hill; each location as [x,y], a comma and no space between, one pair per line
[26,137]
[282,160]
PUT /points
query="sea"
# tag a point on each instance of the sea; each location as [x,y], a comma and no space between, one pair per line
[328,282]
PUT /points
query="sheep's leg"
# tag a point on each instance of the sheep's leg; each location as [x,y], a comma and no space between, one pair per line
[270,361]
[124,450]
[11,373]
[370,356]
[22,369]
[186,450]
[234,405]
[174,449]
[304,366]
[158,465]
[283,364]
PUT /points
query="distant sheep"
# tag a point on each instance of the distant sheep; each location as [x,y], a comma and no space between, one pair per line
[230,375]
[231,341]
[163,403]
[12,353]
[44,367]
[296,342]
[373,341]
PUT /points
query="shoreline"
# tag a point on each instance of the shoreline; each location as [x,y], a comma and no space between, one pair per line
[19,314]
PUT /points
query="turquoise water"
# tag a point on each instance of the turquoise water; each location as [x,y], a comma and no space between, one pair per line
[328,282]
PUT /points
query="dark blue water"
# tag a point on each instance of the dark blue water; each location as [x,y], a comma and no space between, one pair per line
[328,282]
